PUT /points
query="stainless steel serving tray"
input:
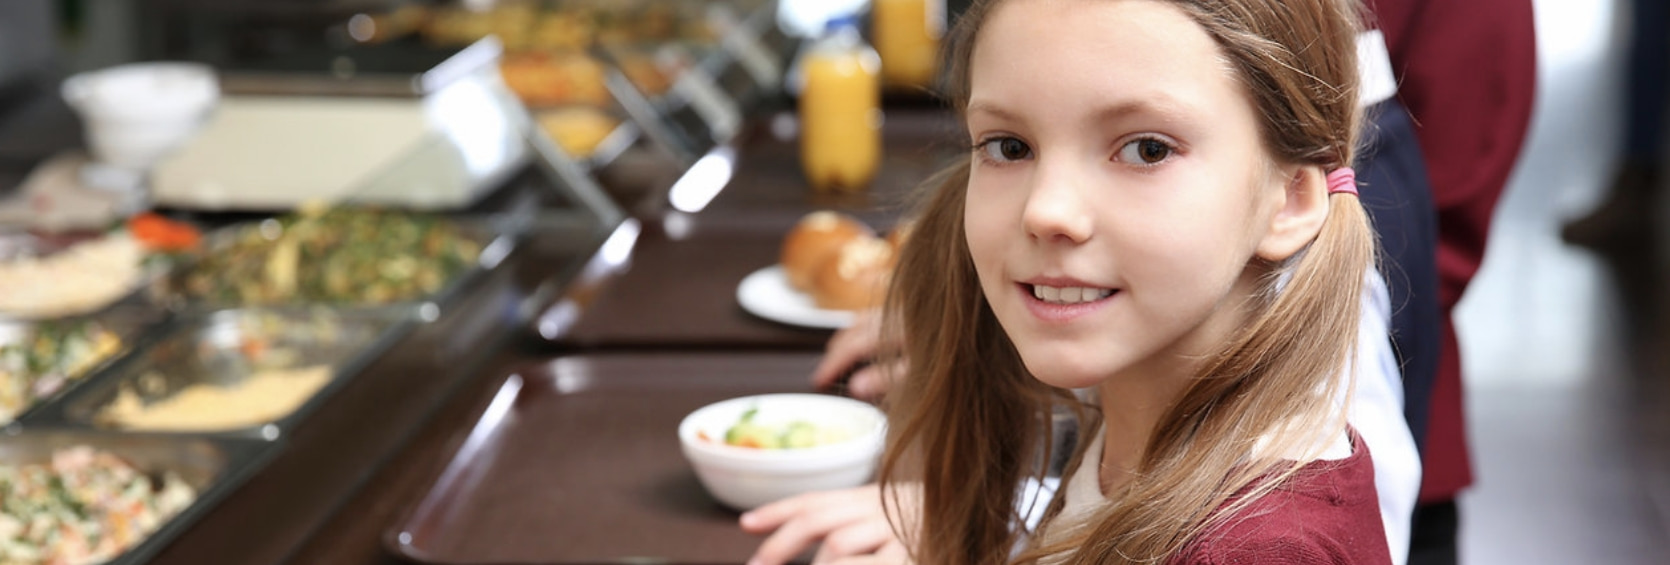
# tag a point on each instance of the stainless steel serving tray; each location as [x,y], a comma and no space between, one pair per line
[212,348]
[214,467]
[133,326]
[142,295]
[496,236]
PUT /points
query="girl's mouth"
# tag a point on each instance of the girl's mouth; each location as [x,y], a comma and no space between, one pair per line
[1068,295]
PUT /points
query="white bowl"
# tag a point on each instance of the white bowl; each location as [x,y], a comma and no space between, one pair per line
[137,113]
[745,478]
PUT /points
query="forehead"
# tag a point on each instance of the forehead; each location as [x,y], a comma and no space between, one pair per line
[1083,55]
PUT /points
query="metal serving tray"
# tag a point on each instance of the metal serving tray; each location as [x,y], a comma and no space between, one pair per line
[132,326]
[212,349]
[143,294]
[214,467]
[496,236]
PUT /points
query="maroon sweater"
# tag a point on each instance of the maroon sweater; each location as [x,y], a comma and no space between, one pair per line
[1326,513]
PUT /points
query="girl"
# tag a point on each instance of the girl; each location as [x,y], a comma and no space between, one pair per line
[1158,210]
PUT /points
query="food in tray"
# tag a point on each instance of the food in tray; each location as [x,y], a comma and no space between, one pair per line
[340,256]
[838,260]
[553,78]
[163,235]
[647,74]
[796,434]
[85,506]
[457,26]
[49,356]
[569,24]
[262,397]
[563,30]
[84,277]
[578,130]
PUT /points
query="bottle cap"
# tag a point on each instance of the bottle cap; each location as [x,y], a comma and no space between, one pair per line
[838,23]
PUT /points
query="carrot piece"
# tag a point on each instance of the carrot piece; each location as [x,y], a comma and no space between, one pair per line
[163,234]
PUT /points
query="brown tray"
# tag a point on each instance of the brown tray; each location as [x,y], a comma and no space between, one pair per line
[578,461]
[679,290]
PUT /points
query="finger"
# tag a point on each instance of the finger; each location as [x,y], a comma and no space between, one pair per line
[857,538]
[867,384]
[847,349]
[789,541]
[769,517]
[817,517]
[807,528]
[873,382]
[872,560]
[891,554]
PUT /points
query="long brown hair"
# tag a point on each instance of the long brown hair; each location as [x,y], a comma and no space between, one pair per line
[970,423]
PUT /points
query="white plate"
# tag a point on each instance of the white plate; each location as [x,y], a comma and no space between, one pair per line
[766,293]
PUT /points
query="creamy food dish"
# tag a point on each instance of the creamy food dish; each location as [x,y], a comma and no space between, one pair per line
[263,397]
[85,277]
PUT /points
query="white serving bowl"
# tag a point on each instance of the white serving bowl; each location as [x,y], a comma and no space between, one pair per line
[745,478]
[135,114]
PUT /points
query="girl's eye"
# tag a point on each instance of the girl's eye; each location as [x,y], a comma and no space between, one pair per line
[1005,149]
[1146,151]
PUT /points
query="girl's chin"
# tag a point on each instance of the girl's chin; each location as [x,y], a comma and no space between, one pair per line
[1069,378]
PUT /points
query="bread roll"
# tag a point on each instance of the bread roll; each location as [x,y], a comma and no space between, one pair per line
[856,277]
[815,238]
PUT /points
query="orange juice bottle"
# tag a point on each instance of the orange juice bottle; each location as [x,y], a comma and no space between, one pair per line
[907,36]
[840,111]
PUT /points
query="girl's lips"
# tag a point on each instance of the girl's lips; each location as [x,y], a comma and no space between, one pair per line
[1051,311]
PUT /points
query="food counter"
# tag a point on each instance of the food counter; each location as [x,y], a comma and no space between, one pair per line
[535,291]
[360,531]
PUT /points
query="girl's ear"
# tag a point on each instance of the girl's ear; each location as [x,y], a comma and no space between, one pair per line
[1301,207]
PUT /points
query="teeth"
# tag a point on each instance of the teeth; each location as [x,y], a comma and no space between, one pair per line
[1069,295]
[1047,293]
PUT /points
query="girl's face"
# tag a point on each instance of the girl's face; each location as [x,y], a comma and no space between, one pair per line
[1119,187]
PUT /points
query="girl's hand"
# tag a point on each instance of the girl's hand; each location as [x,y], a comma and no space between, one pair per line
[851,524]
[852,349]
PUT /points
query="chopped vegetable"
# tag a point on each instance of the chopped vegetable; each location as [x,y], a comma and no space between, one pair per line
[85,506]
[52,356]
[158,233]
[792,435]
[336,256]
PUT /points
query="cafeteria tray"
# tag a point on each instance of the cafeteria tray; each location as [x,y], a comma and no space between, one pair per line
[214,467]
[577,460]
[679,290]
[496,236]
[132,326]
[217,348]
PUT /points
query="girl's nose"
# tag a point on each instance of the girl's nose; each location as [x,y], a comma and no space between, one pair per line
[1056,207]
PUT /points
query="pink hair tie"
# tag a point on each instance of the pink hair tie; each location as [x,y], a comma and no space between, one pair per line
[1344,180]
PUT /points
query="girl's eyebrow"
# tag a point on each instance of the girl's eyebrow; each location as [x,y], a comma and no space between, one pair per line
[1164,107]
[993,110]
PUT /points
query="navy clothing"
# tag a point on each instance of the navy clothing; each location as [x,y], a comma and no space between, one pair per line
[1398,196]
